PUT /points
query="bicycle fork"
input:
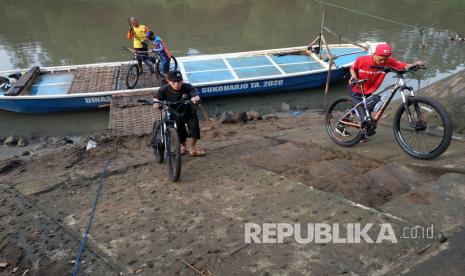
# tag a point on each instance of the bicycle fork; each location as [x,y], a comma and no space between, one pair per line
[406,101]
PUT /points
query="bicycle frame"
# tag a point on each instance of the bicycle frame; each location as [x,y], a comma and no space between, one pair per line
[165,120]
[399,85]
[145,56]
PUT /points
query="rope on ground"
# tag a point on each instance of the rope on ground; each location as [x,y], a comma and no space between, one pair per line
[82,247]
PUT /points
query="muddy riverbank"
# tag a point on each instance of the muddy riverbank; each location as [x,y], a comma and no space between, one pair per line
[281,170]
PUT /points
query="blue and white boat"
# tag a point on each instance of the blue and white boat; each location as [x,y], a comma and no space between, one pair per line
[91,86]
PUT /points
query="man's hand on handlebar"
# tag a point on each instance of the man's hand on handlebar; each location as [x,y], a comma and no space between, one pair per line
[156,104]
[195,100]
[417,65]
[352,80]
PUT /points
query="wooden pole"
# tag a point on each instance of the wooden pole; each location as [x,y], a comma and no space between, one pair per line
[313,42]
[328,78]
[200,273]
[205,115]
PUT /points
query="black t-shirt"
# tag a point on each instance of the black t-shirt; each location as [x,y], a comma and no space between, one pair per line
[166,93]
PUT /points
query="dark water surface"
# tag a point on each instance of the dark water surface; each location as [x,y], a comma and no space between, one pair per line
[49,33]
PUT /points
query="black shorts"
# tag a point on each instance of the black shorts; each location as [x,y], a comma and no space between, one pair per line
[189,117]
[142,56]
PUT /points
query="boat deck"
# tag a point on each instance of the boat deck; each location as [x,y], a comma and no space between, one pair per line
[225,69]
[88,80]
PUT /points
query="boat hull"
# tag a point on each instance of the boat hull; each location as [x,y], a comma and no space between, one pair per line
[270,85]
[93,101]
[50,105]
[243,73]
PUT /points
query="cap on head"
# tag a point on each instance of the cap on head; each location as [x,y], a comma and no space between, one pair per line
[149,34]
[383,50]
[175,76]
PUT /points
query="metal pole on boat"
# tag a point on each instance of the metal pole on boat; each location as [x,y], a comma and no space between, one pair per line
[321,32]
[421,46]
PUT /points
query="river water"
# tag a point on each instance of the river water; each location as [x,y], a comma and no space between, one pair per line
[50,32]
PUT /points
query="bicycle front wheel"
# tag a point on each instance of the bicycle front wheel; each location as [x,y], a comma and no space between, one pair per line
[157,142]
[133,76]
[173,65]
[173,152]
[429,132]
[343,122]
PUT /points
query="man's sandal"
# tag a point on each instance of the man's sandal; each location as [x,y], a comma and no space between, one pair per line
[197,153]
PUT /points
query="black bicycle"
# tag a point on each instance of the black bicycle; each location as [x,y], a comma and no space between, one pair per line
[422,126]
[152,60]
[165,139]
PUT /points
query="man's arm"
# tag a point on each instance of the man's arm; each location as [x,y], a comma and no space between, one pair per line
[353,74]
[398,65]
[158,96]
[353,71]
[195,98]
[158,46]
[419,63]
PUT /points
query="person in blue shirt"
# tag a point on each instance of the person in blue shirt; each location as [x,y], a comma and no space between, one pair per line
[160,46]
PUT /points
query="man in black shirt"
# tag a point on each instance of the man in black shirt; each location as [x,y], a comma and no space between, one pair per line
[174,91]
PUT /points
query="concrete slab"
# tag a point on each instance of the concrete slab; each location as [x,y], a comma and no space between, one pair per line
[152,225]
[440,203]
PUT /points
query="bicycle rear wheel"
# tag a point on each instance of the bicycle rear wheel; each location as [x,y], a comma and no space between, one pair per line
[157,142]
[173,152]
[430,132]
[343,122]
[173,65]
[133,76]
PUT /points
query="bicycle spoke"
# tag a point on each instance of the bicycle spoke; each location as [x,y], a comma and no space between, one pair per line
[343,124]
[173,154]
[157,143]
[425,135]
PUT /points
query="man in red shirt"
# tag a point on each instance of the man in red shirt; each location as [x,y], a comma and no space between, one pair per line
[361,69]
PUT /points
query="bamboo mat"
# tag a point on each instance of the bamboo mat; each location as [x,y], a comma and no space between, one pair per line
[129,118]
[108,78]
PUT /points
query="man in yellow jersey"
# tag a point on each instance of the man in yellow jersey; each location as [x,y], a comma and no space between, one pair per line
[137,33]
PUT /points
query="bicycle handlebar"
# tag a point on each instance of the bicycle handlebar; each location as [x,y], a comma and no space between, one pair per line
[359,81]
[138,52]
[388,69]
[164,103]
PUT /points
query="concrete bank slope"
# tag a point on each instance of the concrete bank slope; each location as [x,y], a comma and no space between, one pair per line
[280,175]
[451,93]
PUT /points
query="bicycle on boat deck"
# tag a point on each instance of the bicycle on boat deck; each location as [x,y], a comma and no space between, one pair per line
[165,139]
[422,126]
[152,60]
